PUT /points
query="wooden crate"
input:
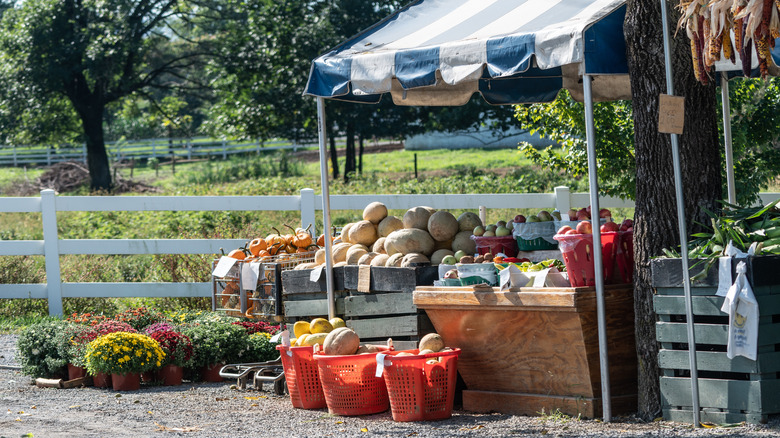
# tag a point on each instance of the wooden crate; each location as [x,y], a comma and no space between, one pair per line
[730,390]
[385,308]
[304,299]
[528,350]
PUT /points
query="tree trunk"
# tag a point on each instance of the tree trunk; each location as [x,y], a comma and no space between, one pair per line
[655,224]
[97,158]
[349,155]
[360,154]
[334,155]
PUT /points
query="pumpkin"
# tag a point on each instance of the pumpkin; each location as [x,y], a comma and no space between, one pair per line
[256,246]
[238,254]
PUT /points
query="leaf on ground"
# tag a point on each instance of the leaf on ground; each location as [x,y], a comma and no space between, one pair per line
[478,426]
[251,398]
[339,422]
[74,406]
[364,429]
[161,428]
[150,412]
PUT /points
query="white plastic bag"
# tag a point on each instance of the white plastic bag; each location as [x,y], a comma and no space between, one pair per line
[742,307]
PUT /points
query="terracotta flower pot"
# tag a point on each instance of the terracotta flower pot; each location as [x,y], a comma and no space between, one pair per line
[75,372]
[101,380]
[210,373]
[149,377]
[126,382]
[171,375]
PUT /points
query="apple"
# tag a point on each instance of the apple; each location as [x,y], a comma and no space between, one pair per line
[588,210]
[489,233]
[532,218]
[449,260]
[500,224]
[604,213]
[503,231]
[564,229]
[459,254]
[556,215]
[544,216]
[478,230]
[582,216]
[610,226]
[572,231]
[572,214]
[583,212]
[628,223]
[519,219]
[491,228]
[584,227]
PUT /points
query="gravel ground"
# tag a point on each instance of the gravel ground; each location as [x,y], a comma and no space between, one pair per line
[221,410]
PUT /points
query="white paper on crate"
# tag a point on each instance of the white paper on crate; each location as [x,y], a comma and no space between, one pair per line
[250,272]
[742,308]
[223,266]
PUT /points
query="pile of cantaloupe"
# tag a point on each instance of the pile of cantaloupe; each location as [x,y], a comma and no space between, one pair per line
[424,235]
[333,336]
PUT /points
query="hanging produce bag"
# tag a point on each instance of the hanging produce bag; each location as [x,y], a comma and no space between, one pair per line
[742,307]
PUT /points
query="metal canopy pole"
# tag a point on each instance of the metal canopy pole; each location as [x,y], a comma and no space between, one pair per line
[724,97]
[598,262]
[326,208]
[681,223]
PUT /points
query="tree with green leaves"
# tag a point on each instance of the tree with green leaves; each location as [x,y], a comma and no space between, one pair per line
[65,61]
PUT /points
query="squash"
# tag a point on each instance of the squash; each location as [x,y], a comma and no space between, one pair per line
[431,341]
[380,260]
[363,232]
[379,246]
[409,240]
[341,341]
[395,260]
[388,225]
[414,259]
[367,258]
[345,232]
[442,225]
[468,221]
[340,252]
[464,242]
[417,217]
[375,212]
[438,255]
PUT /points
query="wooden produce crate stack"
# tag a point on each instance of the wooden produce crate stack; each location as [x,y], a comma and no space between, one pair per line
[380,303]
[304,299]
[730,390]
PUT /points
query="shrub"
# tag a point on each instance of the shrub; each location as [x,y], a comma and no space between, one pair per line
[139,318]
[177,347]
[261,349]
[216,342]
[38,352]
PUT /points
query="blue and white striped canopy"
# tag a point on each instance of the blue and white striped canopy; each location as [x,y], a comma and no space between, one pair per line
[441,52]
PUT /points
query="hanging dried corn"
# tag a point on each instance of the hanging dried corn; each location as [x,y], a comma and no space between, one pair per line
[695,24]
[761,25]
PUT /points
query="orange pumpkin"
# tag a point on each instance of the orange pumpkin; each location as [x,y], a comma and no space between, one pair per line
[237,254]
[257,245]
[273,239]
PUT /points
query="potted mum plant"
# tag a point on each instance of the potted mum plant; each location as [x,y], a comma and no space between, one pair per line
[79,344]
[215,343]
[72,343]
[123,355]
[178,353]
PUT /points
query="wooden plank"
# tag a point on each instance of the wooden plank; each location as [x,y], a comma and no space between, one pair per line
[709,305]
[537,404]
[712,416]
[311,308]
[23,291]
[392,279]
[718,361]
[298,282]
[379,304]
[132,290]
[716,334]
[398,326]
[669,273]
[734,395]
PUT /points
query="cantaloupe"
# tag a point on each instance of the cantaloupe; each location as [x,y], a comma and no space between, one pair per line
[367,258]
[439,254]
[414,259]
[442,226]
[303,266]
[388,225]
[379,246]
[319,256]
[464,242]
[417,217]
[340,264]
[468,221]
[409,240]
[340,252]
[341,341]
[375,212]
[394,260]
[363,232]
[379,260]
[345,232]
[431,341]
[447,244]
[354,253]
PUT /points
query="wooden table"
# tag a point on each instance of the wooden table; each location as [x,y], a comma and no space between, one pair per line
[531,350]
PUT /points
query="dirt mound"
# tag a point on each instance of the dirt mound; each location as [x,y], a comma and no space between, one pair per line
[68,176]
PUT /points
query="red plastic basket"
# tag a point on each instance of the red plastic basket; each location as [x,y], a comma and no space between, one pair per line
[496,244]
[625,256]
[420,391]
[302,376]
[350,385]
[577,250]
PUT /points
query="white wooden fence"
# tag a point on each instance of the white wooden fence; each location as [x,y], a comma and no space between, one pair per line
[307,203]
[181,148]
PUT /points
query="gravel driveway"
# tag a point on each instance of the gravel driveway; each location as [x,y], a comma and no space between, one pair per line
[220,410]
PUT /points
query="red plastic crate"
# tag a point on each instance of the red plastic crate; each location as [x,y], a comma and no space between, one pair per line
[625,256]
[351,386]
[420,391]
[577,250]
[302,376]
[496,244]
